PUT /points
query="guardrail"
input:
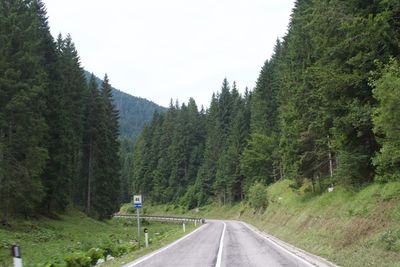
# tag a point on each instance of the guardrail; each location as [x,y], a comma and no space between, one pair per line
[161,218]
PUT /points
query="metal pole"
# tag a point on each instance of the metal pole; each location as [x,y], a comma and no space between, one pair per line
[138,225]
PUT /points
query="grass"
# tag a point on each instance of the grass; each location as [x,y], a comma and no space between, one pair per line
[350,228]
[46,239]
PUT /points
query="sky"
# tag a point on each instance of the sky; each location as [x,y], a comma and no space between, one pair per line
[176,49]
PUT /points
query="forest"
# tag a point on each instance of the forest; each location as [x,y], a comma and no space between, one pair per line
[325,110]
[134,112]
[58,133]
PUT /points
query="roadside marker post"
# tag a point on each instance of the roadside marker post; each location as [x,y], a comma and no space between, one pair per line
[146,237]
[16,253]
[137,203]
[184,227]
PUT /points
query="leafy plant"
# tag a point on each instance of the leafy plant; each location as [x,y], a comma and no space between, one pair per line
[258,197]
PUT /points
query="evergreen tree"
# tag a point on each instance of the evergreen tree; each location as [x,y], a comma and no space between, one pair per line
[23,153]
[386,91]
[106,186]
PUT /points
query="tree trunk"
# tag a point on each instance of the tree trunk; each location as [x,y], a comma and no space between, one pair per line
[89,178]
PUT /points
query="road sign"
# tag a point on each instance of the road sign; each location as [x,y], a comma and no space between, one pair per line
[137,201]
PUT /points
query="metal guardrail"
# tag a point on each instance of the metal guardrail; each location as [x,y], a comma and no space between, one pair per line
[161,218]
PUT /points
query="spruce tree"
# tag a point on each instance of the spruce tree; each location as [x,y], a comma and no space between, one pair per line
[107,184]
[23,152]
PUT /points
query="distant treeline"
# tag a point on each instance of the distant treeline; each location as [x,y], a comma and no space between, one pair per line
[326,109]
[58,134]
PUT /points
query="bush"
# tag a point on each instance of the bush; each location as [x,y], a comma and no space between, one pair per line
[78,259]
[131,210]
[95,254]
[56,263]
[391,239]
[258,197]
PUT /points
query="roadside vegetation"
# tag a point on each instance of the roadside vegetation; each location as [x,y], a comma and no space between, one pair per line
[347,227]
[75,239]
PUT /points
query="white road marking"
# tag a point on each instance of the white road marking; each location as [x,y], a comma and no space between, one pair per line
[221,247]
[280,247]
[145,258]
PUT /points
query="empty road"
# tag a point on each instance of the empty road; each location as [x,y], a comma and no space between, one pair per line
[225,243]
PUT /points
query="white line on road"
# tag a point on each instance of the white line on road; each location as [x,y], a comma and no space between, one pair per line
[279,246]
[145,258]
[221,247]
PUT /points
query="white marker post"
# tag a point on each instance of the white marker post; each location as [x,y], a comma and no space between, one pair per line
[16,253]
[184,227]
[137,203]
[146,237]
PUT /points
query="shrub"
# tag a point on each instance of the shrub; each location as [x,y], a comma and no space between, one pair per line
[391,239]
[258,196]
[56,263]
[78,259]
[95,254]
[131,210]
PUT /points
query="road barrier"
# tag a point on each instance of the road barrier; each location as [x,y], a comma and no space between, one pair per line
[162,218]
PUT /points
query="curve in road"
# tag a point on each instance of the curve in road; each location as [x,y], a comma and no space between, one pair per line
[223,243]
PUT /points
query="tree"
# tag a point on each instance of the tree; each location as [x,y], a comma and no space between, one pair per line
[23,152]
[386,126]
[107,181]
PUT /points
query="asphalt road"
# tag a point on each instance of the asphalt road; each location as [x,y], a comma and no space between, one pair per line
[223,243]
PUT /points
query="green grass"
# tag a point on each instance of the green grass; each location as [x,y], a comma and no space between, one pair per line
[45,239]
[350,228]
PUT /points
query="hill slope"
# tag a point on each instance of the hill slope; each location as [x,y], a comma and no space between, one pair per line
[352,228]
[134,112]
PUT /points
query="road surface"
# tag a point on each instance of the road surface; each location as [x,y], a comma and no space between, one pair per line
[225,243]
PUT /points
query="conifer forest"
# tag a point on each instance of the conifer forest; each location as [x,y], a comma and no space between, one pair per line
[58,133]
[325,109]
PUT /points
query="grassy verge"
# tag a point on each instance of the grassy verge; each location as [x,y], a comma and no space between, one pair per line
[49,240]
[350,228]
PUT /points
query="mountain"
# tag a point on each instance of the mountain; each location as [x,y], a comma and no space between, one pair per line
[134,112]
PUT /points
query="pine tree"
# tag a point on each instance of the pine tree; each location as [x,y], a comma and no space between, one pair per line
[22,126]
[107,181]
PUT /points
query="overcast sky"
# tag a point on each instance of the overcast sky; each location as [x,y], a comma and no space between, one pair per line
[163,49]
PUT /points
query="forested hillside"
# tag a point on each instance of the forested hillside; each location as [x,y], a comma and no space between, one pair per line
[134,112]
[325,109]
[58,134]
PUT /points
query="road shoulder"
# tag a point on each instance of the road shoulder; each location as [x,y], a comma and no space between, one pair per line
[295,251]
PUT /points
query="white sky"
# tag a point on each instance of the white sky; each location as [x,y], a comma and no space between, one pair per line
[163,49]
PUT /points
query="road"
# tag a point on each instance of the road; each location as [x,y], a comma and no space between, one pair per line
[224,243]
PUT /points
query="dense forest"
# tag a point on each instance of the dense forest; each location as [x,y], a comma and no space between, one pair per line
[58,133]
[134,112]
[325,110]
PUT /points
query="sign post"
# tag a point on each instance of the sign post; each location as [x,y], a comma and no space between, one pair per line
[137,203]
